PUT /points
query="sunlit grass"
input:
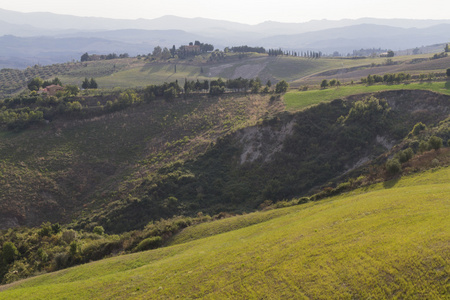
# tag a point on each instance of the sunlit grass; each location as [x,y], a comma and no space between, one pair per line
[379,243]
[296,100]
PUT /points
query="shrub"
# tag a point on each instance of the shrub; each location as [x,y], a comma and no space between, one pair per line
[435,142]
[405,155]
[149,243]
[98,230]
[281,87]
[418,128]
[68,236]
[61,261]
[393,166]
[46,229]
[423,146]
[435,163]
[10,252]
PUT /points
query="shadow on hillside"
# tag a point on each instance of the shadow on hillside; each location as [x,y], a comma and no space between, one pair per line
[391,183]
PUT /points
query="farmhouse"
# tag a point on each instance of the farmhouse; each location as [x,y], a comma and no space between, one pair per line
[51,90]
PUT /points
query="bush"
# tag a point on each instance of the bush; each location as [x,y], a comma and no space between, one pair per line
[393,166]
[423,146]
[68,236]
[149,243]
[435,142]
[405,155]
[10,252]
[61,261]
[98,230]
[418,128]
[281,87]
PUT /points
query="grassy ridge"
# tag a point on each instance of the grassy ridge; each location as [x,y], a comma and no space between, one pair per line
[383,243]
[296,100]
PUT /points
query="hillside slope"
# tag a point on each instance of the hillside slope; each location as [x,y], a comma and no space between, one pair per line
[388,241]
[231,153]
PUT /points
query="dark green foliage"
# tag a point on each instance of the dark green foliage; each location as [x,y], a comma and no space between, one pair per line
[393,166]
[448,72]
[9,252]
[71,90]
[423,146]
[439,55]
[248,49]
[324,84]
[93,84]
[56,228]
[390,53]
[405,155]
[394,78]
[61,261]
[46,229]
[35,84]
[281,87]
[435,142]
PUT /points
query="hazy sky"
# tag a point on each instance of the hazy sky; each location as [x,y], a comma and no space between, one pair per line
[249,12]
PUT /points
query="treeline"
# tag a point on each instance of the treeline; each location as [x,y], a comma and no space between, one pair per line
[93,57]
[307,54]
[247,49]
[184,51]
[21,112]
[386,78]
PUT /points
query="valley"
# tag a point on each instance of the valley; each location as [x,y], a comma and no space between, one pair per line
[226,174]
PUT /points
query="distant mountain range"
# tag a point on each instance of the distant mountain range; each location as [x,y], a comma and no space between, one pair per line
[31,38]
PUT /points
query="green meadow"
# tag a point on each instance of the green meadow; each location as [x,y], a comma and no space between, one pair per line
[389,240]
[297,100]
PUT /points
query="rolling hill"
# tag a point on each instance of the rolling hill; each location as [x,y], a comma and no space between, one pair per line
[388,240]
[141,36]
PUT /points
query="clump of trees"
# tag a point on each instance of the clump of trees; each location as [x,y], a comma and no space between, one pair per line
[89,84]
[94,57]
[247,49]
[333,82]
[281,87]
[395,78]
[36,83]
[439,55]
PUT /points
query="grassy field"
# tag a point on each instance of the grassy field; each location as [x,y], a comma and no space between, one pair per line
[388,241]
[297,100]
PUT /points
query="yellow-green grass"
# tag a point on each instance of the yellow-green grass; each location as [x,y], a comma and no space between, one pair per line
[382,243]
[297,100]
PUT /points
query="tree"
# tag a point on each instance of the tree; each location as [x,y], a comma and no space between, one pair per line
[393,166]
[281,87]
[157,51]
[93,84]
[98,230]
[85,57]
[9,252]
[435,142]
[390,53]
[72,90]
[85,84]
[35,84]
[448,72]
[324,84]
